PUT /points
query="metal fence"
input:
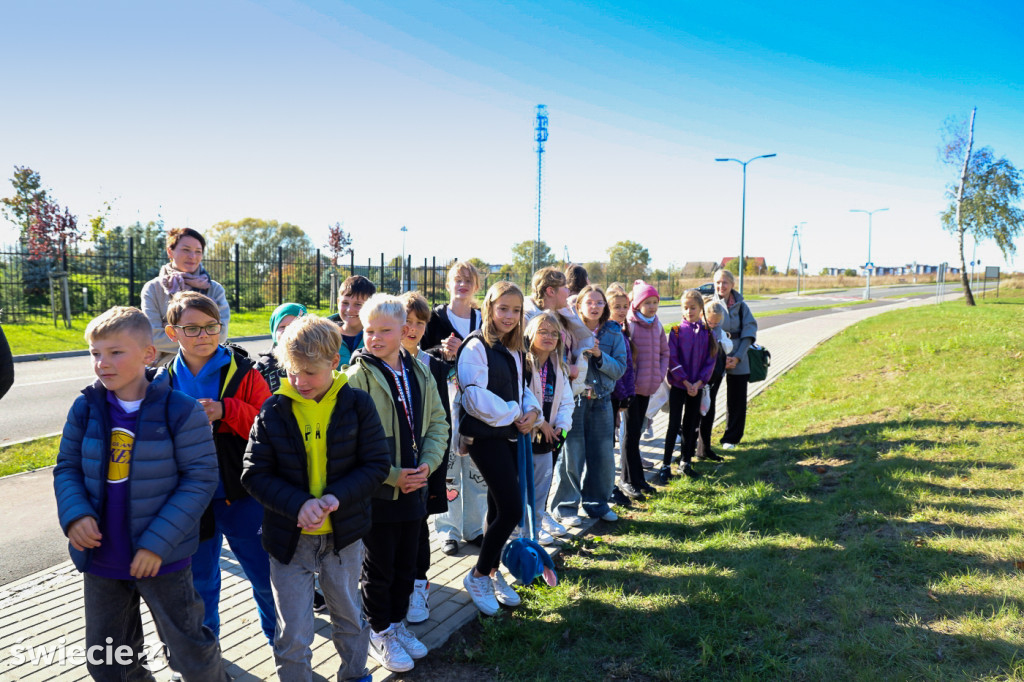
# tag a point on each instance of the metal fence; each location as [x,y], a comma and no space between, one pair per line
[87,281]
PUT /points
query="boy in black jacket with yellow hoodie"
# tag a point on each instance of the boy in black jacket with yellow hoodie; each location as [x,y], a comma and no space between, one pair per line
[316,455]
[414,424]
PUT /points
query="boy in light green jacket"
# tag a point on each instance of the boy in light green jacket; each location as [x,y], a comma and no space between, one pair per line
[410,410]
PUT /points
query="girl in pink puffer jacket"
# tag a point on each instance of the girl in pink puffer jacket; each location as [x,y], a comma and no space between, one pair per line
[650,364]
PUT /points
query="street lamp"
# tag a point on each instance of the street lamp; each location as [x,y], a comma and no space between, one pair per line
[401,284]
[743,215]
[869,266]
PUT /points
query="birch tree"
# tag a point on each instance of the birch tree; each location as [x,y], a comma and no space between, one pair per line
[985,201]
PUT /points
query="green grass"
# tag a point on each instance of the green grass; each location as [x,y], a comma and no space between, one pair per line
[43,337]
[34,454]
[869,527]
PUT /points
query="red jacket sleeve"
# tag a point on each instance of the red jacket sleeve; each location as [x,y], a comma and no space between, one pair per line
[241,409]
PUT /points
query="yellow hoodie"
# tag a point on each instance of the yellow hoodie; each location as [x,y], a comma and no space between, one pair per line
[313,418]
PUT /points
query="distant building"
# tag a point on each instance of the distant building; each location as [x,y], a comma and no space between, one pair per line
[758,261]
[699,268]
[898,270]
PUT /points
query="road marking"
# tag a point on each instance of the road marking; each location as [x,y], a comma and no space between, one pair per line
[52,381]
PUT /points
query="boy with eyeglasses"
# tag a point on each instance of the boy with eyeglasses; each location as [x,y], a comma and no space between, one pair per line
[231,391]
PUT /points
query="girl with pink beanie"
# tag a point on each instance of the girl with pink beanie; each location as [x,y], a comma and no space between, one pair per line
[650,365]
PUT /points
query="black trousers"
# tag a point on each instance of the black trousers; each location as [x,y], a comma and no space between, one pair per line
[682,407]
[496,459]
[389,569]
[708,420]
[423,553]
[736,403]
[630,464]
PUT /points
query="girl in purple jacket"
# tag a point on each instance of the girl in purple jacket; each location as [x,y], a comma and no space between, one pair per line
[692,352]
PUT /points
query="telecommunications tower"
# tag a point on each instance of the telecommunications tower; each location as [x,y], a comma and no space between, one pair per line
[541,137]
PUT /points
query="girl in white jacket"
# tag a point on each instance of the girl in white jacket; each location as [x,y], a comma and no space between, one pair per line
[549,383]
[494,407]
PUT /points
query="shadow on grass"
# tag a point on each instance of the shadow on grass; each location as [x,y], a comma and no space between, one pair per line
[827,563]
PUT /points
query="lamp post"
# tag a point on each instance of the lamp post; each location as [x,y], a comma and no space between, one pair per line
[401,283]
[869,266]
[743,215]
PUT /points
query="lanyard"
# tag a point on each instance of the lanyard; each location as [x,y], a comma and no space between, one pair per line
[405,398]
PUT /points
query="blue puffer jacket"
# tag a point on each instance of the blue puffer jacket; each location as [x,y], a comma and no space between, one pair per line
[609,368]
[173,472]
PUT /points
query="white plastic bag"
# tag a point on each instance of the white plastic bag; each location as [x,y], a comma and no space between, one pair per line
[705,400]
[658,401]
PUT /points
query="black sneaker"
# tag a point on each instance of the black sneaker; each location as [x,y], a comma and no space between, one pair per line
[619,498]
[712,457]
[319,603]
[690,471]
[648,489]
[450,547]
[632,492]
[665,474]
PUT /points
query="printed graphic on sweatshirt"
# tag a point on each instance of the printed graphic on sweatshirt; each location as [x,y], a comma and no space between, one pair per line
[317,433]
[121,443]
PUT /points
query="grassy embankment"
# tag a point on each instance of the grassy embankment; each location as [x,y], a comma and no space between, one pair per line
[869,527]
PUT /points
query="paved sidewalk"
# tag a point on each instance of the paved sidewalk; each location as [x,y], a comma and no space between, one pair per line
[43,612]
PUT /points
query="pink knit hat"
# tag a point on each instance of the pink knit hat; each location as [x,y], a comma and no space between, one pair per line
[641,292]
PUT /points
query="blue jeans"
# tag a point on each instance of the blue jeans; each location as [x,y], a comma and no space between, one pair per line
[293,596]
[112,612]
[240,522]
[586,470]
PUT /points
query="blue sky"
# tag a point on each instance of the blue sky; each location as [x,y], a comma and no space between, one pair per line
[421,114]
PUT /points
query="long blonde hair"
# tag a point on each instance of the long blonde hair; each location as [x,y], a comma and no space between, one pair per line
[531,331]
[512,340]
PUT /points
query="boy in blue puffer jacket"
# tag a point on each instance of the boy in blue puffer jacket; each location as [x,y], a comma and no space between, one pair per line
[136,468]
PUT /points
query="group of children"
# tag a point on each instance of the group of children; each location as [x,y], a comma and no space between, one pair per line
[322,461]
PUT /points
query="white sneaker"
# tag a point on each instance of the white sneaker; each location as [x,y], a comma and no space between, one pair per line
[570,521]
[387,650]
[502,592]
[550,525]
[481,590]
[419,610]
[544,537]
[728,446]
[609,516]
[414,647]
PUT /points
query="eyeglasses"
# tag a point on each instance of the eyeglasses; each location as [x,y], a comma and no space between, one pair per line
[193,330]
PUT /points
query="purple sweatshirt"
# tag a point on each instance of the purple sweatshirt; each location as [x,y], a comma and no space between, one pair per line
[689,354]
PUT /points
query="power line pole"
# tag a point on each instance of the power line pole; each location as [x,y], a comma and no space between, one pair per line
[541,136]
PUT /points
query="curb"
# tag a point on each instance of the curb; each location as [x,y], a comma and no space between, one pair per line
[55,355]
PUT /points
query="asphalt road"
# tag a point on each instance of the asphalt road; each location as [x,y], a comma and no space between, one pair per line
[43,390]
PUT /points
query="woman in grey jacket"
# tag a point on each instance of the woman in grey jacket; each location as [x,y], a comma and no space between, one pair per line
[742,329]
[184,272]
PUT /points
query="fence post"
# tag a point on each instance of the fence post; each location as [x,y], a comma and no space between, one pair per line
[318,279]
[423,282]
[238,295]
[433,277]
[131,270]
[333,305]
[382,271]
[280,275]
[351,262]
[408,273]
